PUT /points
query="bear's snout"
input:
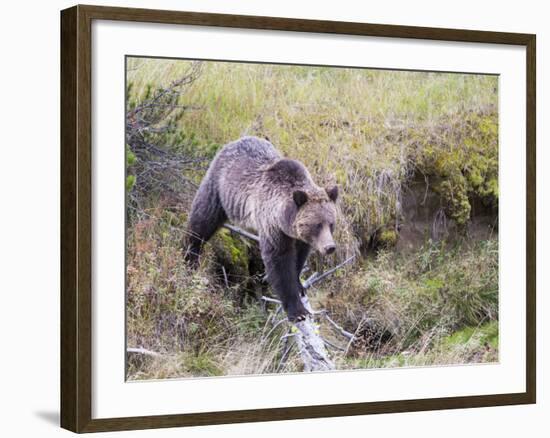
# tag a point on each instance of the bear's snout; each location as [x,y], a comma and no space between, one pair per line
[324,243]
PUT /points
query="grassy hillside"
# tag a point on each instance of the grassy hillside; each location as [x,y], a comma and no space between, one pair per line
[372,132]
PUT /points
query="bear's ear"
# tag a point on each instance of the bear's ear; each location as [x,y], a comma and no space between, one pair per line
[300,197]
[332,193]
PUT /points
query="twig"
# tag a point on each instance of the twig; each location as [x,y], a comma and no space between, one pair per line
[336,326]
[173,89]
[330,344]
[310,282]
[242,232]
[270,300]
[225,277]
[143,351]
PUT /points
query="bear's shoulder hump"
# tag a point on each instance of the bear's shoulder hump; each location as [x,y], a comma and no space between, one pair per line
[289,168]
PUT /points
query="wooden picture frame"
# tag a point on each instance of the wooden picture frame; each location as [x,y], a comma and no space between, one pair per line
[76,217]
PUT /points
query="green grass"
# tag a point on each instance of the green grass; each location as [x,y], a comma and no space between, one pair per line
[370,131]
[486,334]
[376,126]
[469,345]
[436,306]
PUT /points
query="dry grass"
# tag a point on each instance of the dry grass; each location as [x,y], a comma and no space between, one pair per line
[368,130]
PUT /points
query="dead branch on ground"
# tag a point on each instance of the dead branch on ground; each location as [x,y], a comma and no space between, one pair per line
[143,351]
[311,346]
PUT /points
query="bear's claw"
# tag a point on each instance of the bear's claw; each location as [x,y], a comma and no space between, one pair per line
[299,315]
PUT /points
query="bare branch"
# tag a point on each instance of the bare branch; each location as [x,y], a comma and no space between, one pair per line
[330,344]
[225,277]
[143,351]
[270,300]
[242,232]
[174,89]
[336,326]
[316,278]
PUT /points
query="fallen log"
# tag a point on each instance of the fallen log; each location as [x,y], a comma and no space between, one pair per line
[311,346]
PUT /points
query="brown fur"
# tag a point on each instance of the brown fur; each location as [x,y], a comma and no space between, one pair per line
[249,183]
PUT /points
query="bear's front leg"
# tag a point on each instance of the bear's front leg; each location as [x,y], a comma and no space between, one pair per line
[302,252]
[279,257]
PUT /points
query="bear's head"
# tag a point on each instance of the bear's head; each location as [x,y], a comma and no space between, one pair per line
[316,218]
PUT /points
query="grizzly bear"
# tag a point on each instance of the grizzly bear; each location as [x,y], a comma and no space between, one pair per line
[249,183]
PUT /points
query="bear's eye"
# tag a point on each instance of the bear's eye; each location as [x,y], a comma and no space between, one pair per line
[332,227]
[319,226]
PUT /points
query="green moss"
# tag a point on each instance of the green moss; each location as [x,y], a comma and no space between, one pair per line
[232,256]
[130,157]
[455,193]
[130,181]
[475,178]
[234,247]
[388,237]
[486,334]
[462,159]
